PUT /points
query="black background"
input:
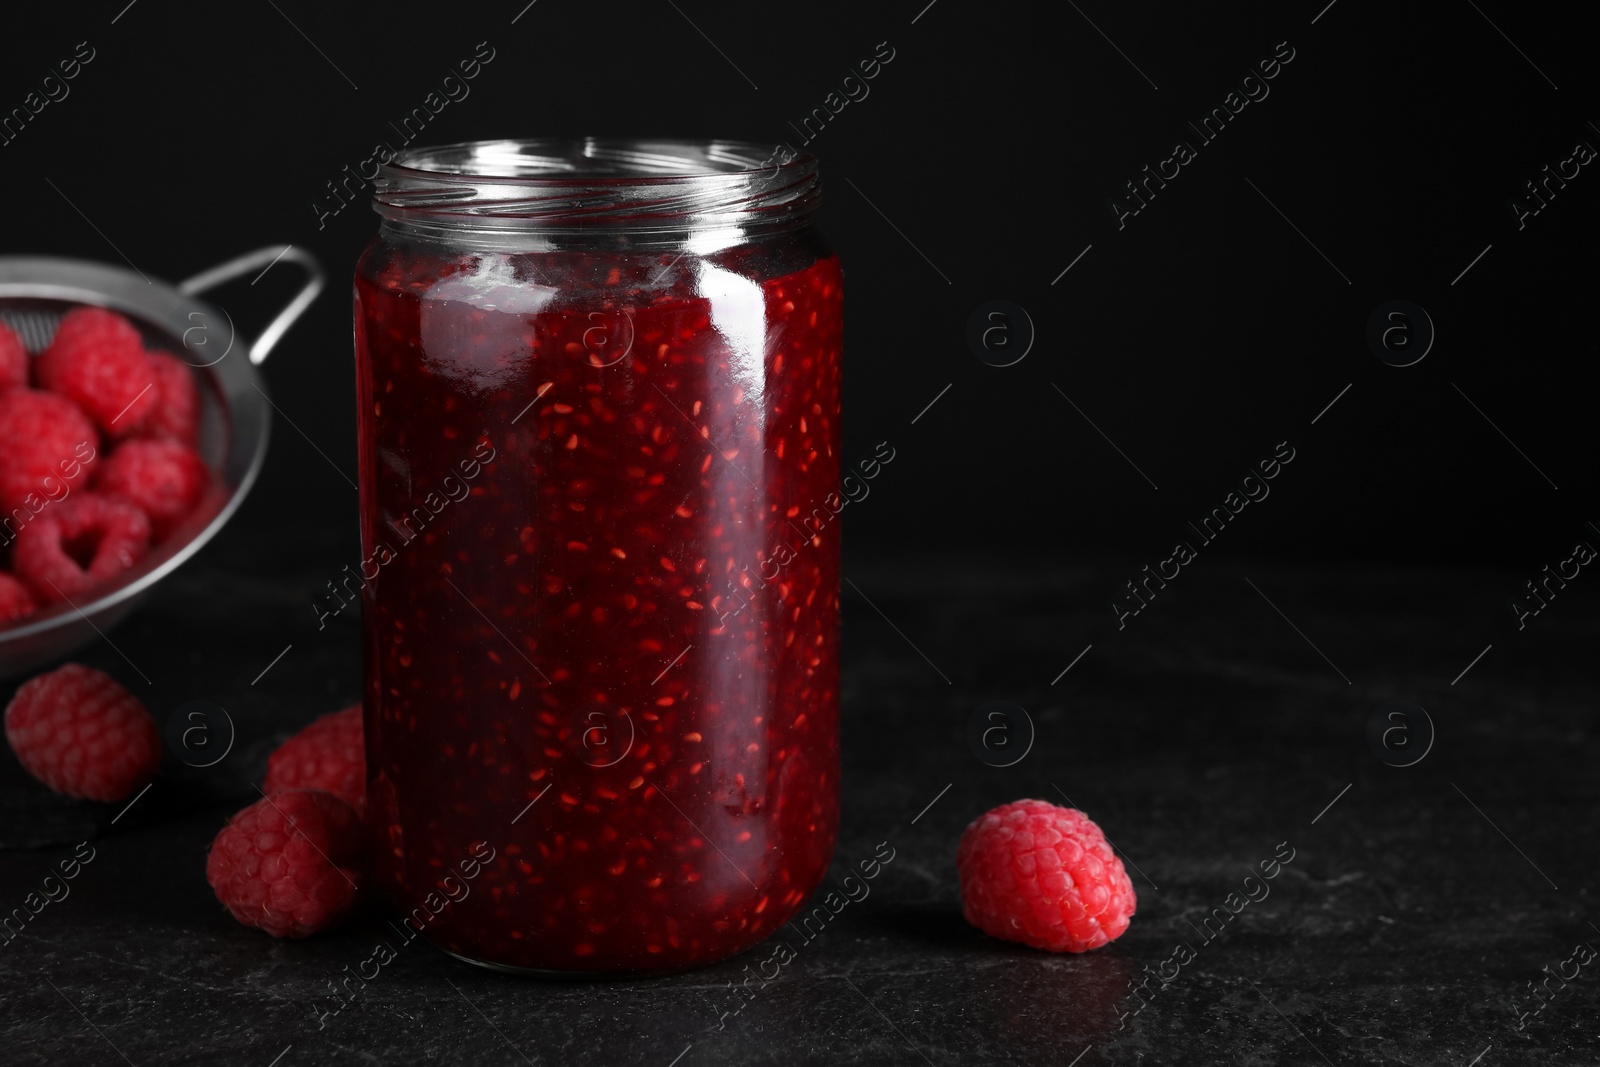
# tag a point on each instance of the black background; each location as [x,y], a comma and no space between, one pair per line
[1195,338]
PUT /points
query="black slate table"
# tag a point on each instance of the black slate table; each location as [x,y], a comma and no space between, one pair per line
[1227,722]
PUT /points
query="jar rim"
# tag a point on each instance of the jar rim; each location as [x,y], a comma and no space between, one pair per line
[617,160]
[580,185]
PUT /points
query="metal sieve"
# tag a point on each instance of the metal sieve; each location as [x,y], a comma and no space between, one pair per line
[234,411]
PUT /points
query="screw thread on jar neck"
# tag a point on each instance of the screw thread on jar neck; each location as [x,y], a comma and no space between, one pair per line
[549,193]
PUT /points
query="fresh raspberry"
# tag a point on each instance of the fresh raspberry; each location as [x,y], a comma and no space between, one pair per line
[13,359]
[176,415]
[1045,876]
[79,543]
[163,479]
[327,755]
[289,864]
[98,360]
[46,444]
[80,733]
[15,600]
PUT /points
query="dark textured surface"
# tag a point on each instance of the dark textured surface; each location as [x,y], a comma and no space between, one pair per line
[1200,737]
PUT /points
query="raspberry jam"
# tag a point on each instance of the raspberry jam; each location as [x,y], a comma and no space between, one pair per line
[600,624]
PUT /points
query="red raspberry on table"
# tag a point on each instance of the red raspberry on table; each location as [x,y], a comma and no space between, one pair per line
[163,479]
[80,733]
[329,754]
[97,359]
[78,544]
[176,415]
[46,445]
[1045,876]
[13,359]
[15,600]
[289,864]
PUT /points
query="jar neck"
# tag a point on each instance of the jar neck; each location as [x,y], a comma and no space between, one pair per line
[596,194]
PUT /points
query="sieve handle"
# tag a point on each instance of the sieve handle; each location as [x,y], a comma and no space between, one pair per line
[265,258]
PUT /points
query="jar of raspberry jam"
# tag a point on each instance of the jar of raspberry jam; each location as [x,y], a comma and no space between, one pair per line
[599,431]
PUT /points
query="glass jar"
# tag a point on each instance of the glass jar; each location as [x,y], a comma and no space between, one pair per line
[599,418]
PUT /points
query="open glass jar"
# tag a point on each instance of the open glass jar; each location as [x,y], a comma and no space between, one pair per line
[599,416]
